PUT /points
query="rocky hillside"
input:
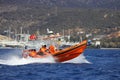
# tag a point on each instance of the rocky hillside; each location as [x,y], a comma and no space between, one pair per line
[57,15]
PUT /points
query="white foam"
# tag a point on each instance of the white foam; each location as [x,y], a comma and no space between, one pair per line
[22,61]
[16,60]
[79,59]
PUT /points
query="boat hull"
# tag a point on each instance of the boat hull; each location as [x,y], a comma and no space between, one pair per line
[71,52]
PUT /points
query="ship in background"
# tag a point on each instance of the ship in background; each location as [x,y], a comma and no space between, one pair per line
[23,40]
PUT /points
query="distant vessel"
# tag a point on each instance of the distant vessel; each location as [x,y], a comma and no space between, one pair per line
[35,41]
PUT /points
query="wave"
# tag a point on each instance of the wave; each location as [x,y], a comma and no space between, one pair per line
[14,58]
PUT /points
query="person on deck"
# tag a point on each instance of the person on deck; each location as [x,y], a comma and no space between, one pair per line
[43,50]
[52,49]
[32,53]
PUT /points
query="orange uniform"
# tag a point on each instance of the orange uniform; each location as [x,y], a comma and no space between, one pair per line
[32,54]
[52,49]
[43,51]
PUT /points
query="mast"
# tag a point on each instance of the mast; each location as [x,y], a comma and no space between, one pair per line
[9,32]
[21,34]
[21,30]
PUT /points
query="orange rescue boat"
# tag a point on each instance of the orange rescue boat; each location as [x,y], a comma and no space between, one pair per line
[70,52]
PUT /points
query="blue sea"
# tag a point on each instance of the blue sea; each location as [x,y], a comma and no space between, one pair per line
[94,64]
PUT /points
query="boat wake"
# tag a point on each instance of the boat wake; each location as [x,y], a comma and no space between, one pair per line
[14,60]
[79,59]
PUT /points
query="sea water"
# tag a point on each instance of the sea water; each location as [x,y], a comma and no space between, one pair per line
[93,64]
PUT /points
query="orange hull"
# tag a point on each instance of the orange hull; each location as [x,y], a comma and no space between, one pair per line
[71,52]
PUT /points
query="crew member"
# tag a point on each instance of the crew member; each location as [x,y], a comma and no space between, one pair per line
[32,53]
[52,49]
[43,50]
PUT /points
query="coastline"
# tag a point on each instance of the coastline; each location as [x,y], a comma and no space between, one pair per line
[111,48]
